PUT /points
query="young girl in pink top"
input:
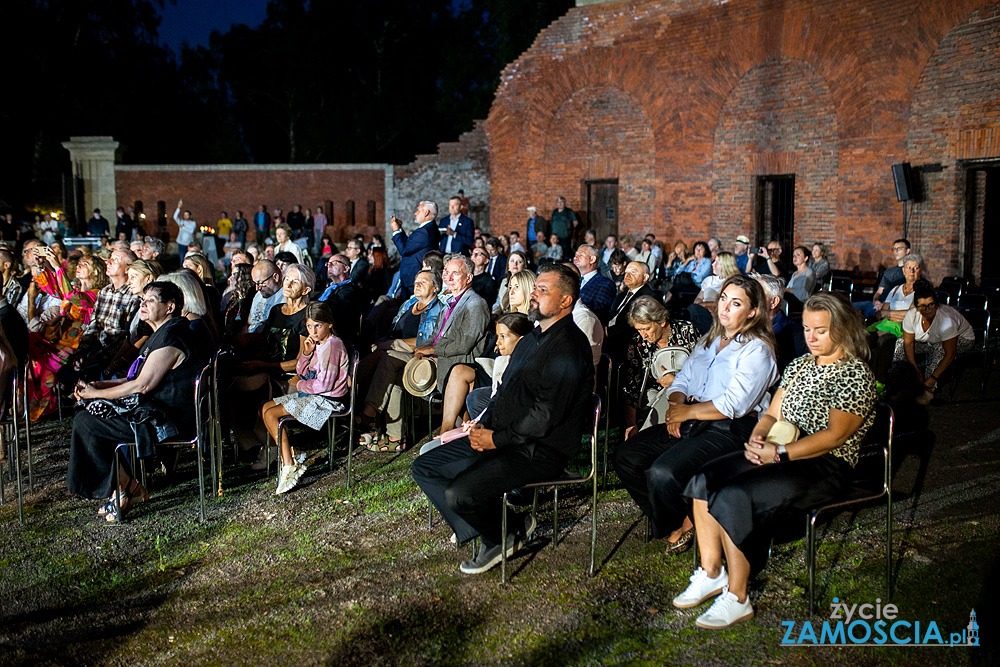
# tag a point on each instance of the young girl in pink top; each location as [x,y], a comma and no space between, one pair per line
[320,383]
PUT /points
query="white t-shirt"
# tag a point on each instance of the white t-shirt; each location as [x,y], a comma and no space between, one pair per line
[948,323]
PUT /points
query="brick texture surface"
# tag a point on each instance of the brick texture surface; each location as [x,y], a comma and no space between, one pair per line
[687,101]
[207,193]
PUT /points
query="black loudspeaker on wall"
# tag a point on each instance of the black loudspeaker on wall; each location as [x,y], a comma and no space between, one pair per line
[902,175]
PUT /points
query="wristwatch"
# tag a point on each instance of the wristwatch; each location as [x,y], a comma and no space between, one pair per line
[780,454]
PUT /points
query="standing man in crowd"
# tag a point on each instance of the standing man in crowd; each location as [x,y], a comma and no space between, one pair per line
[262,223]
[498,261]
[412,248]
[123,225]
[564,223]
[98,225]
[296,220]
[457,228]
[240,227]
[186,227]
[536,223]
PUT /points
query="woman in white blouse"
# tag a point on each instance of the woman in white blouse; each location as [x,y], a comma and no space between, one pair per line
[900,298]
[715,399]
[939,332]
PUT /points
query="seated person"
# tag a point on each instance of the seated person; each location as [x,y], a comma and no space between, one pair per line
[554,251]
[937,331]
[616,269]
[169,364]
[700,312]
[466,378]
[819,263]
[460,338]
[238,300]
[696,269]
[483,284]
[714,401]
[740,500]
[140,274]
[271,353]
[532,429]
[898,301]
[620,333]
[343,296]
[653,330]
[196,308]
[788,333]
[56,331]
[802,282]
[414,325]
[517,262]
[320,383]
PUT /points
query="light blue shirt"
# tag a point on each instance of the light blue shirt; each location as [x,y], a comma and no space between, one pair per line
[736,379]
[261,308]
[699,269]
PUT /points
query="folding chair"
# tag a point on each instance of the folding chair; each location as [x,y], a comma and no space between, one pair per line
[201,442]
[565,480]
[979,318]
[841,284]
[11,418]
[877,443]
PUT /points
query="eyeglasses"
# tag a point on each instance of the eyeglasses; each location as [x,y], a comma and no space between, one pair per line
[925,306]
[261,283]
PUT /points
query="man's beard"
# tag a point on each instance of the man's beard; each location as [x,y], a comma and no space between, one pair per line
[534,314]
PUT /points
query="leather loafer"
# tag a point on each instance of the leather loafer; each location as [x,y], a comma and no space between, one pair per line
[682,544]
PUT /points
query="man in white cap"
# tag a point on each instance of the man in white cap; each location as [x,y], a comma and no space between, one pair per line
[536,223]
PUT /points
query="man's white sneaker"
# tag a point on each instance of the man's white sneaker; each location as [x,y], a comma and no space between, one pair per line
[701,588]
[725,611]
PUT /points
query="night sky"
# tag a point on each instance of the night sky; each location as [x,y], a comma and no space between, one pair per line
[194,20]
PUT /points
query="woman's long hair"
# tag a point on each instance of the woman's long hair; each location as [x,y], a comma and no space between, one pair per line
[756,327]
[847,328]
[380,259]
[524,280]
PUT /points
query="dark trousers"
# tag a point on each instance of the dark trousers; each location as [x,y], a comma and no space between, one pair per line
[467,486]
[92,451]
[749,500]
[655,467]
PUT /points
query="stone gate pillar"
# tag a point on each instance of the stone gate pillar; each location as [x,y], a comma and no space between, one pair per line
[93,161]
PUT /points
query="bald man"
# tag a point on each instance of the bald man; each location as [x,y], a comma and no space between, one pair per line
[636,281]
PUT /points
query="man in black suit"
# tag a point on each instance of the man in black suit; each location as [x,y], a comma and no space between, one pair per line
[355,252]
[123,224]
[498,262]
[412,248]
[636,281]
[532,428]
[458,230]
[343,297]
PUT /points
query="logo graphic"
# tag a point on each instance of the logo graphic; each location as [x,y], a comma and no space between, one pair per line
[874,625]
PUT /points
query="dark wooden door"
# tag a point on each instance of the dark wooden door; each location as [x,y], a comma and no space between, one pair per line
[602,207]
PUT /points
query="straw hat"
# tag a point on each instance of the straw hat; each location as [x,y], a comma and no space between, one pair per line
[420,376]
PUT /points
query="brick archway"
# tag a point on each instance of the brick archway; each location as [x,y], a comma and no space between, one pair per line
[779,119]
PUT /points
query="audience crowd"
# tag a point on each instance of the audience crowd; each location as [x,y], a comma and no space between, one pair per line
[711,349]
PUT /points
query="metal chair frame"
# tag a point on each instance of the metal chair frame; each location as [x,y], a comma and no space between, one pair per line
[855,495]
[202,395]
[19,387]
[591,479]
[976,316]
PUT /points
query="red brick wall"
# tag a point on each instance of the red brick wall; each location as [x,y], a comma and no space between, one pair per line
[208,192]
[690,99]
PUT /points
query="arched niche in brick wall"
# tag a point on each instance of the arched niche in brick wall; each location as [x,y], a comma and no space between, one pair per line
[954,120]
[600,133]
[779,119]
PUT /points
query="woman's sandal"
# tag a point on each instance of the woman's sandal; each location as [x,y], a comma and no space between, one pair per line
[381,444]
[133,496]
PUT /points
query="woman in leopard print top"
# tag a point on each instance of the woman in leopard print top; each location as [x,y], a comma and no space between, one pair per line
[739,499]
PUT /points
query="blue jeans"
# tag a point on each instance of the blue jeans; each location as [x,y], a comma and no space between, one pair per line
[867,308]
